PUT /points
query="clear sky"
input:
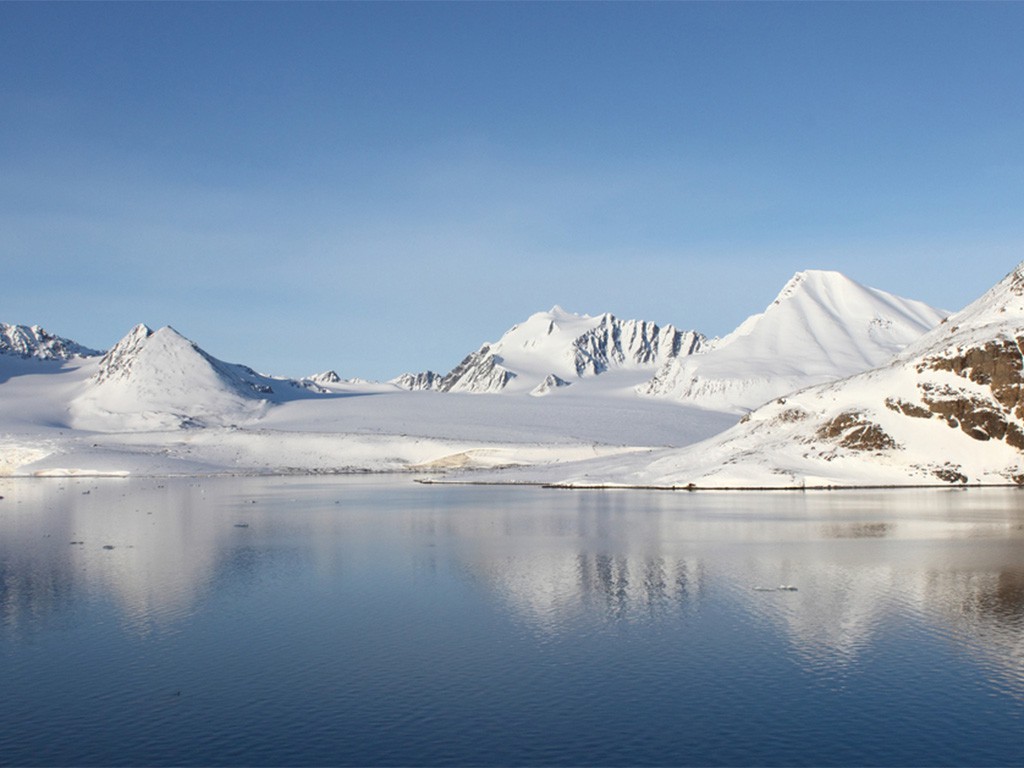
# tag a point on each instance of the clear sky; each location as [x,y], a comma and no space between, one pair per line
[382,187]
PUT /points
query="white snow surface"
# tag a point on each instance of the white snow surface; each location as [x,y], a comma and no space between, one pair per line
[821,327]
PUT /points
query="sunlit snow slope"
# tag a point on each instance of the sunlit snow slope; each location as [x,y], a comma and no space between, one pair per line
[161,380]
[821,327]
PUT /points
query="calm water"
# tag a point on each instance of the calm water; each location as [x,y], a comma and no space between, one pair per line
[368,621]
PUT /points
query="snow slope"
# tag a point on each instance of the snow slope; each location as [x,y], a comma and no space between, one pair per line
[558,346]
[155,380]
[948,409]
[821,327]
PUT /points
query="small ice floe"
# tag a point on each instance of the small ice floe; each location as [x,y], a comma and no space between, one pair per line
[780,588]
[241,525]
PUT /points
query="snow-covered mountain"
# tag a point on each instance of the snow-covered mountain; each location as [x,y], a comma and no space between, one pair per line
[34,341]
[553,349]
[948,409]
[582,373]
[416,382]
[821,327]
[159,379]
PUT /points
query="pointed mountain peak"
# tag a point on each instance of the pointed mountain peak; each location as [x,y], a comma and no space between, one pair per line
[140,331]
[164,380]
[816,282]
[822,326]
[118,361]
[327,377]
[998,313]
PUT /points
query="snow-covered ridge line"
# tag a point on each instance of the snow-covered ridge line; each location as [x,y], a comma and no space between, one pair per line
[822,326]
[35,341]
[559,346]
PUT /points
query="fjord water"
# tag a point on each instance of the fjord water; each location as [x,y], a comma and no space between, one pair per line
[301,621]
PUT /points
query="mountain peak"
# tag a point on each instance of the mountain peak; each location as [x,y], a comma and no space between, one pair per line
[822,326]
[567,346]
[815,282]
[162,379]
[558,312]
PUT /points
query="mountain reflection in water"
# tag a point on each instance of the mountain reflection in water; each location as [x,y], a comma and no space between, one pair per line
[159,557]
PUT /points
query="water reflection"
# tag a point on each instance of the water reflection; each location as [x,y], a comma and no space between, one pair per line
[951,564]
[557,561]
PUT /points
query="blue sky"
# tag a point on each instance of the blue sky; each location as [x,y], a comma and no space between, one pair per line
[382,187]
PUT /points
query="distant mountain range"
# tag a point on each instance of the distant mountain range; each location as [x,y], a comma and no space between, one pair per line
[837,385]
[821,327]
[553,349]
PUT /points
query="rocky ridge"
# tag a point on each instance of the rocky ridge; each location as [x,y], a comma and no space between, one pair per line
[36,342]
[559,346]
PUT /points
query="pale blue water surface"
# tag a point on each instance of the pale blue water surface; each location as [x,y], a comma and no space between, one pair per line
[374,621]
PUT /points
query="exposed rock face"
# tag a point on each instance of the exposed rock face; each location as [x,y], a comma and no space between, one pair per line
[549,384]
[117,363]
[327,377]
[994,413]
[35,341]
[907,409]
[614,342]
[480,371]
[416,382]
[320,383]
[852,430]
[569,347]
